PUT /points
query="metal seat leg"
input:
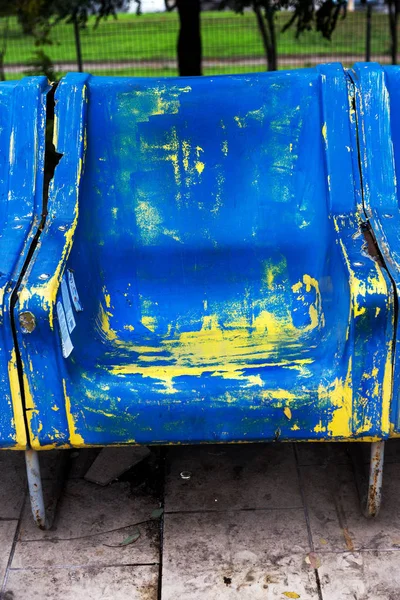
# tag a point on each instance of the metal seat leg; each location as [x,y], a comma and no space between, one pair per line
[44,512]
[36,489]
[372,501]
[369,483]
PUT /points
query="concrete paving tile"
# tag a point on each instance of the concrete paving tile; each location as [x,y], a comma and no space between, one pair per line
[94,583]
[91,513]
[13,483]
[360,576]
[7,533]
[322,454]
[232,477]
[336,521]
[246,554]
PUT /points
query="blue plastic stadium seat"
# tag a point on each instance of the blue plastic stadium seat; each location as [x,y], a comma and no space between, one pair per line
[378,97]
[22,127]
[211,227]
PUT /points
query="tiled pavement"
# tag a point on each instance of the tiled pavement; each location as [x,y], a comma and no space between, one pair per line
[240,521]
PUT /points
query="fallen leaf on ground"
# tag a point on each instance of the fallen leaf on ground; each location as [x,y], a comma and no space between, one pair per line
[313,560]
[156,514]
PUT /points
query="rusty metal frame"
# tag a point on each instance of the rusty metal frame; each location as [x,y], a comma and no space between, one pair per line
[43,505]
[373,496]
[36,489]
[369,480]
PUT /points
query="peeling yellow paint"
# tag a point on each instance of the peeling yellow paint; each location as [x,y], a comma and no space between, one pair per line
[47,291]
[149,322]
[240,122]
[365,426]
[75,438]
[20,433]
[387,388]
[288,412]
[278,394]
[107,297]
[224,351]
[324,131]
[340,396]
[273,269]
[319,428]
[199,166]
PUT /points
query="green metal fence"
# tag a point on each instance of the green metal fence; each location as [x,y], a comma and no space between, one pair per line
[146,45]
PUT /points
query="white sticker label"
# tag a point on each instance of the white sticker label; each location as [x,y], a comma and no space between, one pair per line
[66,343]
[69,315]
[74,292]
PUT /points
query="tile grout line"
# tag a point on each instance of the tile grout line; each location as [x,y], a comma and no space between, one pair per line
[161,553]
[307,519]
[14,544]
[83,566]
[231,510]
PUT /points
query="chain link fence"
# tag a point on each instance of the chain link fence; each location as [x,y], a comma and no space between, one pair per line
[145,45]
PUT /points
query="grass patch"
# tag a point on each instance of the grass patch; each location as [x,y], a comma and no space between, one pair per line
[152,37]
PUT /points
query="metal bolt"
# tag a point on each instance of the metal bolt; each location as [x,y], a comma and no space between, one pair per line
[62,227]
[44,276]
[27,322]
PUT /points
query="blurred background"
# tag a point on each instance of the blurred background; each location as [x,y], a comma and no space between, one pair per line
[191,37]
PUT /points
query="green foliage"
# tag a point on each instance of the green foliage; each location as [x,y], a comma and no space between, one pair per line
[41,64]
[38,17]
[321,15]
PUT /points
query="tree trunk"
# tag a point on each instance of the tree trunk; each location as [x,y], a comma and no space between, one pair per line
[189,40]
[267,31]
[368,34]
[77,35]
[3,49]
[393,19]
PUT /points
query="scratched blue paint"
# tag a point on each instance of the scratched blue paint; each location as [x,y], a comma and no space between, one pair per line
[378,101]
[22,122]
[219,260]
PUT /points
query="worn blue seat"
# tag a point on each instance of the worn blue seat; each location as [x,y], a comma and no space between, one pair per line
[378,96]
[22,127]
[212,228]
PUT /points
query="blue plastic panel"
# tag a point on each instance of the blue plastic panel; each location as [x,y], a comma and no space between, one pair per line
[22,129]
[213,232]
[378,95]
